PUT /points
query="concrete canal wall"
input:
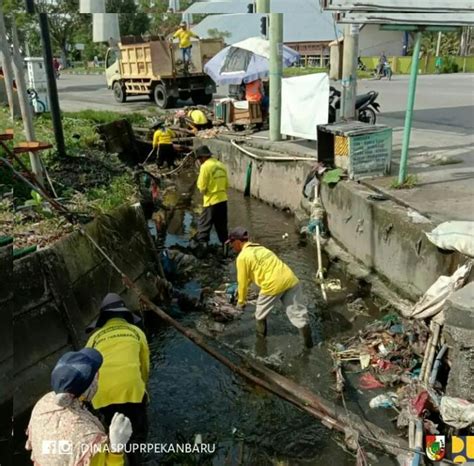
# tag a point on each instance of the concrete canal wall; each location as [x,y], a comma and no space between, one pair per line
[58,291]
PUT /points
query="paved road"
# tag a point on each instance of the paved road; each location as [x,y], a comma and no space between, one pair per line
[446,100]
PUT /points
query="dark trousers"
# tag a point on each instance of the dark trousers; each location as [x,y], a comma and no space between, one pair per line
[137,414]
[166,154]
[213,215]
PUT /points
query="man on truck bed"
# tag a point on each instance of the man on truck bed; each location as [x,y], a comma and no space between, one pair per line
[184,35]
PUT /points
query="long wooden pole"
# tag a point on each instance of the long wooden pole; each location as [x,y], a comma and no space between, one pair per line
[6,63]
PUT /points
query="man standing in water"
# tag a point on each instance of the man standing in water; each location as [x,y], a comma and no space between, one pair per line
[277,282]
[213,184]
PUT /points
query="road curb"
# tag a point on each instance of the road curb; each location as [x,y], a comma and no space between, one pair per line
[83,73]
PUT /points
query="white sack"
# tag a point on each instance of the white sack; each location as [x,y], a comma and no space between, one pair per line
[457,412]
[454,236]
[304,104]
[433,300]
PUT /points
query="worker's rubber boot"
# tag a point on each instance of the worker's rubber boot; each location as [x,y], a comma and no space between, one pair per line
[307,337]
[261,327]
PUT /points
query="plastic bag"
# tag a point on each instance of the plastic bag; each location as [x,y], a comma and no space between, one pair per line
[457,412]
[387,400]
[454,236]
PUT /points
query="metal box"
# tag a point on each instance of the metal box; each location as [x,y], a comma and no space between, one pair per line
[363,150]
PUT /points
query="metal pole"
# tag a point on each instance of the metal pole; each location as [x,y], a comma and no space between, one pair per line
[402,175]
[438,44]
[349,71]
[6,56]
[263,6]
[52,88]
[276,71]
[25,107]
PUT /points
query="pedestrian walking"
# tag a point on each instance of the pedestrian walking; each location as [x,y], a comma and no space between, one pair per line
[277,283]
[125,370]
[213,184]
[184,35]
[61,431]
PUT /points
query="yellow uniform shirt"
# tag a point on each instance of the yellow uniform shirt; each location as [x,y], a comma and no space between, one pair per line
[184,36]
[198,117]
[125,370]
[213,182]
[107,459]
[161,136]
[257,264]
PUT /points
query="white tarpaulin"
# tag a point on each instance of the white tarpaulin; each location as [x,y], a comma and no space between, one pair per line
[304,104]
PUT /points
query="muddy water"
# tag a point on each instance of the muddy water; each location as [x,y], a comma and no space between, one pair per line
[193,394]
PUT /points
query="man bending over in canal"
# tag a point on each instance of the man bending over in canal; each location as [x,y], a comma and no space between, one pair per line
[125,370]
[277,282]
[213,184]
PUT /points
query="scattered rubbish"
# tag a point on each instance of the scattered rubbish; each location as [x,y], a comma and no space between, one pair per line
[285,236]
[333,176]
[333,284]
[454,236]
[364,360]
[388,400]
[419,404]
[416,217]
[367,381]
[358,307]
[457,412]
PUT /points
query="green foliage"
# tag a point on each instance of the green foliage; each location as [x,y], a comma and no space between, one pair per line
[132,20]
[449,65]
[214,33]
[450,43]
[410,182]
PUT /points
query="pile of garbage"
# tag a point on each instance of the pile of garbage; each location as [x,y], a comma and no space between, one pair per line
[407,358]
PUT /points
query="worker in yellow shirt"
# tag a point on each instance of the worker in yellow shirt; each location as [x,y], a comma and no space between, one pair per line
[213,184]
[62,431]
[163,141]
[198,120]
[277,282]
[184,35]
[125,370]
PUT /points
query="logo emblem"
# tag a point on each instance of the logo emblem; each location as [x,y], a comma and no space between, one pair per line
[462,449]
[435,447]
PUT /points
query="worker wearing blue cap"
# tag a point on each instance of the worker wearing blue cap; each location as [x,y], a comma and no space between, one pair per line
[62,431]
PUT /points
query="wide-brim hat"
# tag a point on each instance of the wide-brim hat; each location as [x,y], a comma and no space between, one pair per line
[113,306]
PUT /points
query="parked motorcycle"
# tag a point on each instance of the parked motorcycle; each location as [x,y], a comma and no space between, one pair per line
[366,106]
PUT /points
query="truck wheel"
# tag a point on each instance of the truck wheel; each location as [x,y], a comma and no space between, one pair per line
[119,93]
[162,99]
[201,98]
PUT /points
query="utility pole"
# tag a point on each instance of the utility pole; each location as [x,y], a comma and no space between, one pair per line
[25,106]
[51,83]
[349,71]
[263,6]
[7,64]
[276,72]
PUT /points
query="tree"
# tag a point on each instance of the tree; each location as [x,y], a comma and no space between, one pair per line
[450,43]
[133,21]
[214,33]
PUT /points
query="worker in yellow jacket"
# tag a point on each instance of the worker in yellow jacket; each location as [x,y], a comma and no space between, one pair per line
[277,282]
[62,431]
[198,120]
[124,373]
[184,35]
[213,184]
[163,141]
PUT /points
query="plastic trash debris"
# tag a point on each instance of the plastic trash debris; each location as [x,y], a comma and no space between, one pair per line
[364,360]
[457,412]
[383,349]
[386,400]
[367,381]
[420,402]
[396,329]
[454,236]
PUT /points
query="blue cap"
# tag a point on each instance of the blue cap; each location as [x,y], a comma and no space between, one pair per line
[75,371]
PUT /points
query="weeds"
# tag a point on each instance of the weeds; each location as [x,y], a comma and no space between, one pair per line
[410,182]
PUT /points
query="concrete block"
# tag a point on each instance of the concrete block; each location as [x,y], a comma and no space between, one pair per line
[460,311]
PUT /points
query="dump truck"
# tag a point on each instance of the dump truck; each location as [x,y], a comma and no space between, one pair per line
[155,68]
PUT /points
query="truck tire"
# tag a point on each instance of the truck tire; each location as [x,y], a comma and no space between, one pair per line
[201,98]
[162,99]
[119,92]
